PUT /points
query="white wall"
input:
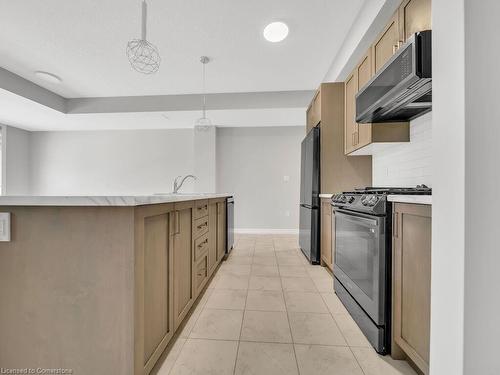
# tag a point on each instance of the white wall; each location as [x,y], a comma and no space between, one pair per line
[406,164]
[252,163]
[110,162]
[16,161]
[448,213]
[482,178]
[205,143]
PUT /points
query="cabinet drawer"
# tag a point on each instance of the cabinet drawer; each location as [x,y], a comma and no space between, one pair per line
[200,227]
[201,272]
[200,247]
[200,208]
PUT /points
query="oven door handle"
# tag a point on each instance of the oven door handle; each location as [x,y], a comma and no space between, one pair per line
[357,217]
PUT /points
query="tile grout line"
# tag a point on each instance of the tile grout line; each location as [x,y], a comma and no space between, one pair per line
[242,321]
[289,326]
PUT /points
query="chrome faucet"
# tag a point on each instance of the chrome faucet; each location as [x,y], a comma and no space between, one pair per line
[178,185]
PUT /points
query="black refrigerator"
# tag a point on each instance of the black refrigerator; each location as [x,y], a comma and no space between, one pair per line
[309,196]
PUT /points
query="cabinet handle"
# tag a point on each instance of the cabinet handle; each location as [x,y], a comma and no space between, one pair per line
[395,48]
[203,243]
[395,227]
[177,223]
[202,225]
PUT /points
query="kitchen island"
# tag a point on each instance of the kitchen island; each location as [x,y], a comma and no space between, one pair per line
[99,285]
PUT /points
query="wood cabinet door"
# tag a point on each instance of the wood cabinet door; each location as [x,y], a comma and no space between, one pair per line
[387,43]
[182,223]
[350,125]
[412,225]
[326,233]
[221,230]
[212,237]
[414,16]
[154,326]
[363,135]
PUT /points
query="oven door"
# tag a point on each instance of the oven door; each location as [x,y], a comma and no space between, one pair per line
[360,260]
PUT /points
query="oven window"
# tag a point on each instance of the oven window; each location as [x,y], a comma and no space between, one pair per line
[357,251]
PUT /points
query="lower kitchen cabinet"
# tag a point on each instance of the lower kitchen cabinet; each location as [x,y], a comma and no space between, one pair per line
[182,260]
[412,225]
[221,230]
[326,240]
[154,323]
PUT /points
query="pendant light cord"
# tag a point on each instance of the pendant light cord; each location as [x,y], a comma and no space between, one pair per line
[144,19]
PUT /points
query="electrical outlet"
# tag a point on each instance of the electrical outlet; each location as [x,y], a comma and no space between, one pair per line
[287,213]
[286,178]
[4,226]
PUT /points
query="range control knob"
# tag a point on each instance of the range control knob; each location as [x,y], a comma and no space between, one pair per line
[364,200]
[373,200]
[351,199]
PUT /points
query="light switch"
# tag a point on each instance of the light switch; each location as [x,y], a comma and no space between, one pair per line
[286,178]
[4,226]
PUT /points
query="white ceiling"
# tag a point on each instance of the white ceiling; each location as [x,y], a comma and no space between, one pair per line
[26,114]
[83,41]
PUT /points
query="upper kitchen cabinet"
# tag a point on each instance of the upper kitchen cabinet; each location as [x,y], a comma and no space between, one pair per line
[414,16]
[313,114]
[338,172]
[387,43]
[359,139]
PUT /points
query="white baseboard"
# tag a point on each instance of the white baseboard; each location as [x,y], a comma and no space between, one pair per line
[265,231]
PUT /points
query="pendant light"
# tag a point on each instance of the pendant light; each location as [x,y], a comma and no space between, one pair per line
[203,122]
[142,55]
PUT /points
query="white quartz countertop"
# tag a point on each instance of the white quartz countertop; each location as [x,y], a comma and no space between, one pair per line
[131,200]
[327,196]
[416,199]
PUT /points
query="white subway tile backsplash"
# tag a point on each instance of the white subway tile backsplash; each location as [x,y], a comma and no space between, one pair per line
[406,164]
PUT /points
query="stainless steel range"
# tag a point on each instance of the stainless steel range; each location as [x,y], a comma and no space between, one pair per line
[362,266]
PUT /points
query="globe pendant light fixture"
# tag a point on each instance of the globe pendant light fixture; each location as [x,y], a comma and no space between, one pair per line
[203,122]
[143,56]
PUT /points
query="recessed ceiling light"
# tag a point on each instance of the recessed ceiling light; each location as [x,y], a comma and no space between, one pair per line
[276,32]
[48,77]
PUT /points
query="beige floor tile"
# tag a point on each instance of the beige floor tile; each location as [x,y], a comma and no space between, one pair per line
[305,302]
[185,331]
[298,284]
[293,271]
[227,299]
[326,360]
[264,261]
[256,358]
[258,270]
[287,252]
[241,253]
[264,253]
[234,282]
[312,328]
[264,283]
[351,331]
[245,260]
[206,357]
[318,272]
[265,300]
[171,357]
[289,260]
[374,364]
[265,326]
[218,324]
[323,284]
[333,303]
[234,269]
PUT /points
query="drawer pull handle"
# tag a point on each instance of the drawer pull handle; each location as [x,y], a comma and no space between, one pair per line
[205,207]
[202,225]
[203,243]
